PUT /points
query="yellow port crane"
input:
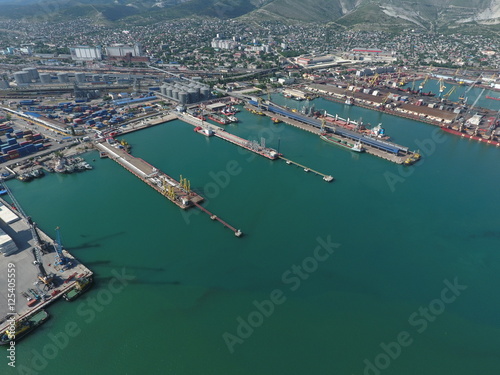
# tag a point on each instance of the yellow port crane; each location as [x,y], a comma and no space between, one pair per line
[422,84]
[447,95]
[373,80]
[441,86]
[185,184]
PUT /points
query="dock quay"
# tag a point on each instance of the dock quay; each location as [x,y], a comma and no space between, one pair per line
[31,294]
[177,192]
[383,149]
[327,178]
[208,129]
[146,122]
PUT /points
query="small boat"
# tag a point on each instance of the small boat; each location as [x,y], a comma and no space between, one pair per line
[356,147]
[275,120]
[23,327]
[25,177]
[82,285]
[412,159]
[233,118]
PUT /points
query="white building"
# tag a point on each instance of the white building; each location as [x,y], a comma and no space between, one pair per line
[86,53]
[121,50]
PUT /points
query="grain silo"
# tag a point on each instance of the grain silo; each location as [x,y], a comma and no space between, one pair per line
[183,97]
[80,77]
[175,94]
[192,96]
[33,72]
[62,77]
[45,78]
[205,93]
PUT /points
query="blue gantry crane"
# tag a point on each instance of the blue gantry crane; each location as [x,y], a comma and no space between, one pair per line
[61,260]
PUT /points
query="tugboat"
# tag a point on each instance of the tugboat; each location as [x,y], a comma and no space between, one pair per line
[82,285]
[356,147]
[25,177]
[23,327]
[412,159]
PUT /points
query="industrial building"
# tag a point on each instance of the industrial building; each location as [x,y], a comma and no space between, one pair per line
[86,53]
[185,92]
[7,245]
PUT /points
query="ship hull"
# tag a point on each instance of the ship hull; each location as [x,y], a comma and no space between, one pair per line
[341,143]
[474,137]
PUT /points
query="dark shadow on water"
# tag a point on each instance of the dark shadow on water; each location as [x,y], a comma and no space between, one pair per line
[94,243]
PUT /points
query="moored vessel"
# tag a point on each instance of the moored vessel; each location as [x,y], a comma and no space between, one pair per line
[82,285]
[353,146]
[23,327]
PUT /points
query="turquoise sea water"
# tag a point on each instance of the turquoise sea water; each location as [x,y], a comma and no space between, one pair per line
[400,233]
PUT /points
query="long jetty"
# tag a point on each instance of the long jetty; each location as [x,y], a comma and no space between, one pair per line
[371,146]
[327,178]
[208,129]
[178,192]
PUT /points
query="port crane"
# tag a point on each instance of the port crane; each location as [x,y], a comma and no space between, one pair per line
[40,245]
[447,95]
[441,86]
[61,260]
[422,84]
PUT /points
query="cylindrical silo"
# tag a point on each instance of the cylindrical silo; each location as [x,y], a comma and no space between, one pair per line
[33,72]
[169,91]
[20,77]
[45,78]
[192,96]
[163,89]
[183,97]
[105,77]
[62,77]
[96,78]
[205,93]
[175,94]
[80,77]
[4,84]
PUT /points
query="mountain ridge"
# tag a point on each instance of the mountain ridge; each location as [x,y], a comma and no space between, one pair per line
[426,14]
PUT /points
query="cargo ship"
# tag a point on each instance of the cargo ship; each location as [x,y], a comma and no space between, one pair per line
[356,147]
[82,285]
[466,135]
[491,97]
[23,327]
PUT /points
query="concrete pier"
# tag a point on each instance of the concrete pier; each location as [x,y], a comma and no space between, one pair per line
[25,273]
[175,191]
